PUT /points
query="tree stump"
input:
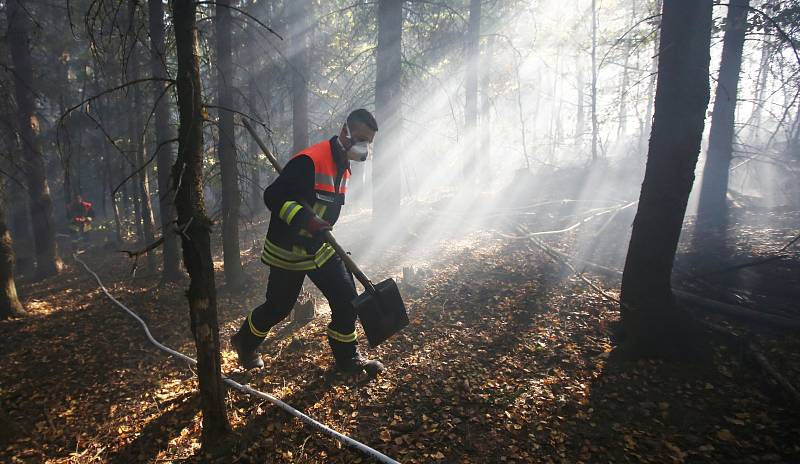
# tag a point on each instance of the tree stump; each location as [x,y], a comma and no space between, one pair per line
[304,310]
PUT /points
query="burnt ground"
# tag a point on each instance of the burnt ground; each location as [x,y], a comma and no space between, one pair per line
[508,358]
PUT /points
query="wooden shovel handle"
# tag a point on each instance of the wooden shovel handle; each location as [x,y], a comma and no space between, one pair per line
[348,261]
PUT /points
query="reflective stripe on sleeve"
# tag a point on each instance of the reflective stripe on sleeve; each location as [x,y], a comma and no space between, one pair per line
[289,210]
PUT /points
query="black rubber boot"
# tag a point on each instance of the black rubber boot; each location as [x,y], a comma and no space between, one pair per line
[245,344]
[350,361]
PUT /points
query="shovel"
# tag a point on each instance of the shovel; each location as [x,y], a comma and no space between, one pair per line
[380,307]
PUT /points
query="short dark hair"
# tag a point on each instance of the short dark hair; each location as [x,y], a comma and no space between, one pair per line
[364,117]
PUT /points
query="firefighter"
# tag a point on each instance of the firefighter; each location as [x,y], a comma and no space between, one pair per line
[294,247]
[81,216]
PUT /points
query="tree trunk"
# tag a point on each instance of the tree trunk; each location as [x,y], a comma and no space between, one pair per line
[171,271]
[107,158]
[595,128]
[300,11]
[188,176]
[761,86]
[471,91]
[143,187]
[651,90]
[388,98]
[133,150]
[681,100]
[234,275]
[9,301]
[485,122]
[21,231]
[256,192]
[712,210]
[41,205]
[622,115]
[580,111]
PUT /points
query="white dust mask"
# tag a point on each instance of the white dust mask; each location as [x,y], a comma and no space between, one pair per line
[358,151]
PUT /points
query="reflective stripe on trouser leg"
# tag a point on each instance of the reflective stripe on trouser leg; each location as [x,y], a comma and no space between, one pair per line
[253,329]
[340,337]
[247,339]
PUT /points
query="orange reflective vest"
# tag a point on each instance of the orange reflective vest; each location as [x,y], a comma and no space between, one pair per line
[325,171]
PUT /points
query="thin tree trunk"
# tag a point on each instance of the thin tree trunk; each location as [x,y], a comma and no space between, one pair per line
[595,129]
[681,100]
[651,88]
[133,184]
[300,11]
[256,193]
[145,206]
[20,226]
[471,91]
[226,150]
[188,176]
[114,206]
[713,206]
[622,115]
[580,111]
[761,86]
[164,159]
[388,97]
[485,122]
[10,305]
[125,197]
[41,205]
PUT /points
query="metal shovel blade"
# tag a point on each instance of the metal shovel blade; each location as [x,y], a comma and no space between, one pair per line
[382,313]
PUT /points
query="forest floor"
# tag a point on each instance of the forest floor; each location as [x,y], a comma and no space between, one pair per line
[508,358]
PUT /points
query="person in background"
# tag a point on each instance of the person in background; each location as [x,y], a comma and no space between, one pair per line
[81,216]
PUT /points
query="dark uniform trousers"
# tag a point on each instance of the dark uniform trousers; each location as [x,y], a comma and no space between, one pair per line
[283,289]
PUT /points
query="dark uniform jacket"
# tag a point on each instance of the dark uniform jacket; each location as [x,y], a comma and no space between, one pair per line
[288,245]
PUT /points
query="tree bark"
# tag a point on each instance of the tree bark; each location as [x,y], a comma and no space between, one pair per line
[10,305]
[681,100]
[471,91]
[713,208]
[299,13]
[171,271]
[388,97]
[40,203]
[226,150]
[188,176]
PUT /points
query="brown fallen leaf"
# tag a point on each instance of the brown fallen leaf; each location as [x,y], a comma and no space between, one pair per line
[725,435]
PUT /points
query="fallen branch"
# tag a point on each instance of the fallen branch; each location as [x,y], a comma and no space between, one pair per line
[778,255]
[761,360]
[686,297]
[557,256]
[756,355]
[145,250]
[135,254]
[736,310]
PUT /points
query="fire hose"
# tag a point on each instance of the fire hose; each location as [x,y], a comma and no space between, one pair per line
[344,439]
